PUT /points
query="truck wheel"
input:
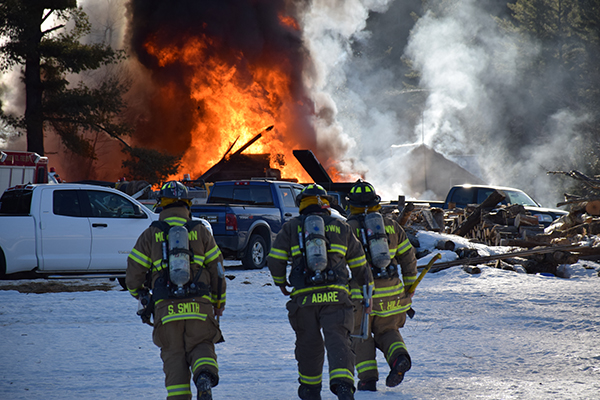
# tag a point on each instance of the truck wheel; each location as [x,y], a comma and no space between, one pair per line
[256,253]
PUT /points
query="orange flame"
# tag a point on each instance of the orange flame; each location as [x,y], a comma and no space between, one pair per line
[234,106]
[289,22]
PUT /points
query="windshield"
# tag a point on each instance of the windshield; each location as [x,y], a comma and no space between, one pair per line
[514,197]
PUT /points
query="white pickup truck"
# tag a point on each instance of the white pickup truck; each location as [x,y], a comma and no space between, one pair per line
[69,229]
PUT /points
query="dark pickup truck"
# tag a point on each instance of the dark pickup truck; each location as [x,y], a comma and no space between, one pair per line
[247,215]
[459,196]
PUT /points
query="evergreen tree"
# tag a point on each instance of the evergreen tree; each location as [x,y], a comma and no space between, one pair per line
[48,56]
[57,98]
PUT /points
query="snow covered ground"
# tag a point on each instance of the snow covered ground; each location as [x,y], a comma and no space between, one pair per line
[496,335]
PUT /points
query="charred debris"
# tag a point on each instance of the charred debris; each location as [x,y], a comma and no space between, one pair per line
[530,246]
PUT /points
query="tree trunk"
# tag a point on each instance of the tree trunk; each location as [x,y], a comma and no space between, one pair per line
[34,114]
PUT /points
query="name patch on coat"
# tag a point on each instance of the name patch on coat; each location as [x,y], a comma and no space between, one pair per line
[184,308]
[321,298]
[181,311]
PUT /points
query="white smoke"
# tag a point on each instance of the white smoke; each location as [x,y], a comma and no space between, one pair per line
[108,21]
[12,95]
[360,127]
[465,62]
[562,148]
[469,70]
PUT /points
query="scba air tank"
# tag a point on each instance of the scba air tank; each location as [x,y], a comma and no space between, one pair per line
[179,261]
[378,240]
[316,247]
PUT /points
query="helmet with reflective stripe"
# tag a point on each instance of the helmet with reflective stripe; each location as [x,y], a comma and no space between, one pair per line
[173,190]
[312,189]
[363,194]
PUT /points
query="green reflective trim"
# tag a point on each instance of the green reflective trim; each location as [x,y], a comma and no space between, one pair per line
[356,294]
[179,317]
[339,248]
[404,247]
[341,373]
[178,390]
[140,258]
[393,253]
[310,380]
[388,291]
[212,254]
[394,311]
[334,250]
[278,254]
[204,361]
[409,280]
[317,288]
[199,259]
[133,292]
[279,280]
[357,262]
[369,365]
[158,265]
[213,298]
[393,348]
[176,221]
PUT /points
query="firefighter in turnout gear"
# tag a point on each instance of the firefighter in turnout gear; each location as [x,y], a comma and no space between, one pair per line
[320,249]
[178,260]
[394,267]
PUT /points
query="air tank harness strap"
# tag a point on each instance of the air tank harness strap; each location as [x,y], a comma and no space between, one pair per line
[161,286]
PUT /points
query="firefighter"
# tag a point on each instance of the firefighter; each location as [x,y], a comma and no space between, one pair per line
[321,248]
[389,254]
[184,312]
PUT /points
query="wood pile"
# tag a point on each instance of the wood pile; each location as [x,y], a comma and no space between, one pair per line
[568,239]
[504,226]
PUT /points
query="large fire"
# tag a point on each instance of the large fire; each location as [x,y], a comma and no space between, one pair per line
[232,98]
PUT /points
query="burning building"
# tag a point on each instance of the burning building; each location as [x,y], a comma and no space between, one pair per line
[217,73]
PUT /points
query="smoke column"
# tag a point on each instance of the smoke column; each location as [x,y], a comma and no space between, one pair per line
[475,79]
[472,79]
[346,63]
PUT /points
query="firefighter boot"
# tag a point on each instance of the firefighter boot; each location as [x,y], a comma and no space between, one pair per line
[309,392]
[204,383]
[400,365]
[345,391]
[371,385]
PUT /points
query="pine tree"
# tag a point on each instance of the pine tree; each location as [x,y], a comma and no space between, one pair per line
[58,99]
[48,57]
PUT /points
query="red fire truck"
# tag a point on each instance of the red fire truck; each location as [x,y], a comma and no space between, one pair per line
[22,167]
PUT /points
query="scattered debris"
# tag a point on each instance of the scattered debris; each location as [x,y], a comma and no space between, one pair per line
[531,246]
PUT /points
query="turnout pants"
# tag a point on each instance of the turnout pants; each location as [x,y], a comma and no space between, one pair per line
[336,321]
[185,345]
[384,336]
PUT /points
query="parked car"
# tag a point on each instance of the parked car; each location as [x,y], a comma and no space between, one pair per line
[69,229]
